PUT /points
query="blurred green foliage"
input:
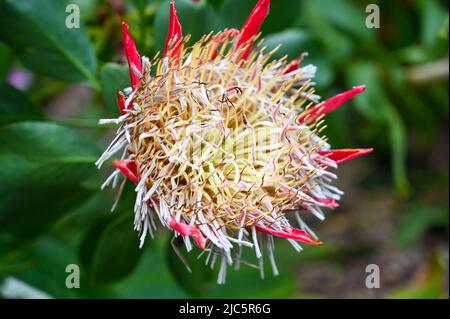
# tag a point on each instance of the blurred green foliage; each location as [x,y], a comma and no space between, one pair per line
[52,212]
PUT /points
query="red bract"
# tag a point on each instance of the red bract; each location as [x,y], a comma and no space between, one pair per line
[121,102]
[128,168]
[313,113]
[289,233]
[340,156]
[252,26]
[293,66]
[133,57]
[174,35]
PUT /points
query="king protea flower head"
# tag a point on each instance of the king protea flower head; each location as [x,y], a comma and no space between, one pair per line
[224,143]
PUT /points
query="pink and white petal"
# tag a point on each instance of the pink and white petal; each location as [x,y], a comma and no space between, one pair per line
[327,202]
[289,233]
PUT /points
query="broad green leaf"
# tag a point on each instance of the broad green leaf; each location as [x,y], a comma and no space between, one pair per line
[197,18]
[38,154]
[37,33]
[200,280]
[91,239]
[16,106]
[45,265]
[26,214]
[116,252]
[113,77]
[337,46]
[346,15]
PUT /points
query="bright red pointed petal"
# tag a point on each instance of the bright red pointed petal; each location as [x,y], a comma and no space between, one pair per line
[174,34]
[252,25]
[189,230]
[133,57]
[340,156]
[329,105]
[128,168]
[121,102]
[290,233]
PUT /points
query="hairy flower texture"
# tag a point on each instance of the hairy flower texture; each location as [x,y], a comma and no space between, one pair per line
[224,143]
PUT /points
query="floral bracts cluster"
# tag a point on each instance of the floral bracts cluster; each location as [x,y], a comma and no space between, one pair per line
[224,143]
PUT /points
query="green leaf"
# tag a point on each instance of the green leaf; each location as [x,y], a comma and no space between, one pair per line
[282,15]
[44,267]
[377,107]
[38,154]
[113,77]
[26,214]
[216,4]
[88,8]
[16,106]
[200,280]
[345,15]
[116,252]
[337,46]
[434,18]
[152,277]
[234,13]
[37,33]
[294,42]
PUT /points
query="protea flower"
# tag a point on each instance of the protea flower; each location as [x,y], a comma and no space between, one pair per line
[224,144]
